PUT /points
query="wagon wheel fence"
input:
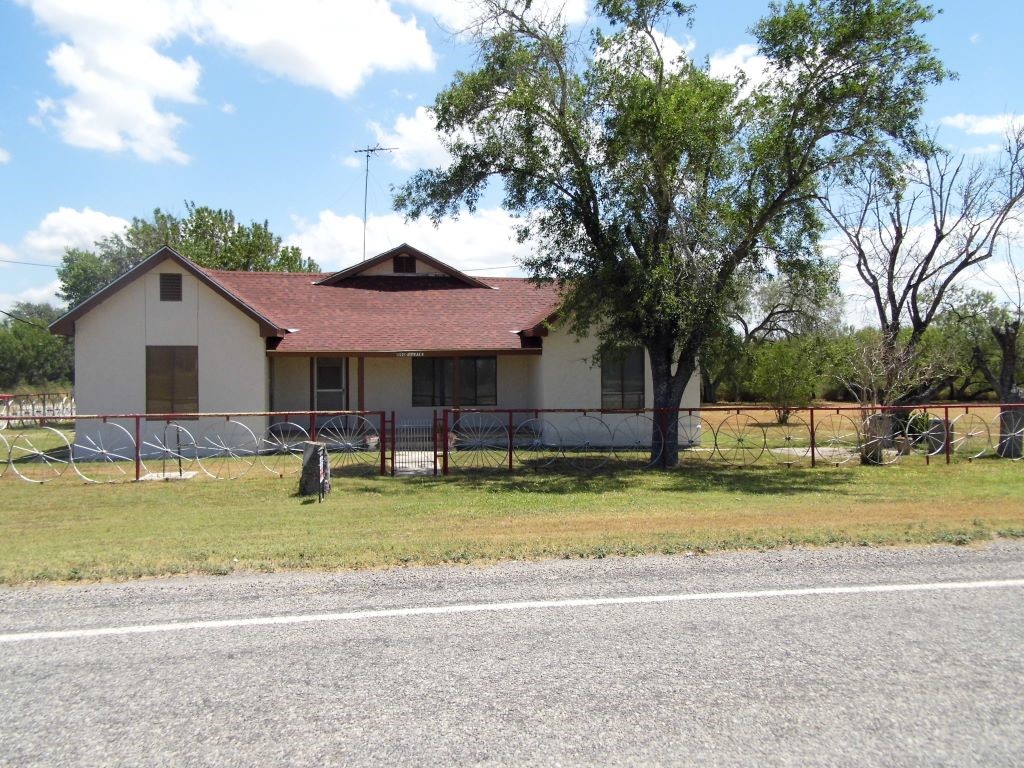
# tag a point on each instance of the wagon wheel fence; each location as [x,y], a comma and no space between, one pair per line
[42,445]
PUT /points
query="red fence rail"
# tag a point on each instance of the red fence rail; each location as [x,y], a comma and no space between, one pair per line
[228,444]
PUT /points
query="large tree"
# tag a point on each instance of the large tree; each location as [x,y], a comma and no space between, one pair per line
[645,184]
[29,353]
[210,237]
[915,230]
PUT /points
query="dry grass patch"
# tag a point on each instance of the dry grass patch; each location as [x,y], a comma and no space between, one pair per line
[69,531]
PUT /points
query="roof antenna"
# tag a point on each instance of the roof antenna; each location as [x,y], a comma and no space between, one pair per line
[366,185]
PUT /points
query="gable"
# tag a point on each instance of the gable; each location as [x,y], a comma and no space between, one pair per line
[402,261]
[171,262]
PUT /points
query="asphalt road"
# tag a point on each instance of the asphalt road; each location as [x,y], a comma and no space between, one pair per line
[923,676]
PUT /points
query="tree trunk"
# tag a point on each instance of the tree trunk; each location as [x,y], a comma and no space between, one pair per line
[668,395]
[708,387]
[1011,420]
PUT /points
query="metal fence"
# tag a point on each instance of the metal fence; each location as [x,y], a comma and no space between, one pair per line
[56,405]
[224,446]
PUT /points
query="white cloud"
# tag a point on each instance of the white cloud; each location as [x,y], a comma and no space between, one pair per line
[975,38]
[69,228]
[988,149]
[5,156]
[6,253]
[474,241]
[321,43]
[351,162]
[45,293]
[119,77]
[227,108]
[983,125]
[742,59]
[672,49]
[417,143]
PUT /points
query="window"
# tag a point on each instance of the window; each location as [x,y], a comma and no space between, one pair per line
[170,286]
[622,380]
[404,265]
[330,384]
[434,381]
[172,379]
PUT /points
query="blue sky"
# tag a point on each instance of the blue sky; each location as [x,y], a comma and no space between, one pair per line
[113,108]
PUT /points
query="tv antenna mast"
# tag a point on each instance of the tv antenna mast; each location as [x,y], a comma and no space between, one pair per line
[368,151]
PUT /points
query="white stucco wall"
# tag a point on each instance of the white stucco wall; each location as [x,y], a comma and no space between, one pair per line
[389,385]
[291,383]
[568,378]
[110,353]
[387,267]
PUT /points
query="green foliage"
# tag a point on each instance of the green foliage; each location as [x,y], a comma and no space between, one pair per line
[787,373]
[29,354]
[211,238]
[647,187]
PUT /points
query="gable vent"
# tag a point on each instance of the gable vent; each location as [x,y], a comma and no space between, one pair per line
[404,265]
[170,286]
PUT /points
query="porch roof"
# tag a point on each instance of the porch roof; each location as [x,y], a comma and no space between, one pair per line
[390,314]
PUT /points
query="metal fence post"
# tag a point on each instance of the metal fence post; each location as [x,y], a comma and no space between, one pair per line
[813,441]
[394,442]
[383,442]
[949,433]
[444,443]
[138,449]
[510,428]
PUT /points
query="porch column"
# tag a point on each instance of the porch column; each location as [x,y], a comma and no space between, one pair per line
[361,376]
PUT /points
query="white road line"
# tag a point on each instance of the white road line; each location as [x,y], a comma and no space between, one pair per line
[585,602]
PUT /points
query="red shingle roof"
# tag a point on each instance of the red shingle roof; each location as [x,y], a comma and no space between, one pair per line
[392,313]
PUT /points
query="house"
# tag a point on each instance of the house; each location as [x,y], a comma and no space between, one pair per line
[399,332]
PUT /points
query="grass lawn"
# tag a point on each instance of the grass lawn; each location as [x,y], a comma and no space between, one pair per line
[66,530]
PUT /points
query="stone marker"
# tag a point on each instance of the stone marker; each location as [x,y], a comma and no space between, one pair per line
[315,479]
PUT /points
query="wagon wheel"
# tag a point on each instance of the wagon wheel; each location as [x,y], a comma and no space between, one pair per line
[353,444]
[883,439]
[740,440]
[281,447]
[789,443]
[1009,439]
[637,442]
[696,438]
[13,412]
[586,443]
[836,438]
[970,436]
[926,433]
[536,443]
[40,455]
[226,449]
[5,455]
[173,449]
[107,455]
[477,441]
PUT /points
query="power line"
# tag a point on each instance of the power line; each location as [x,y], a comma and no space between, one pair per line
[23,320]
[30,263]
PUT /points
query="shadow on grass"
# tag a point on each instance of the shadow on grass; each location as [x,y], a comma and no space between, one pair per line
[752,480]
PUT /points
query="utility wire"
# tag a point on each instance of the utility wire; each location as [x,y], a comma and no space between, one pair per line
[23,320]
[30,263]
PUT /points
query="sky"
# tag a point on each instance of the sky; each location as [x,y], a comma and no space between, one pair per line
[112,108]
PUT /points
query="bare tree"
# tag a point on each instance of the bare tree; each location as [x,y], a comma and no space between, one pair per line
[913,233]
[1004,323]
